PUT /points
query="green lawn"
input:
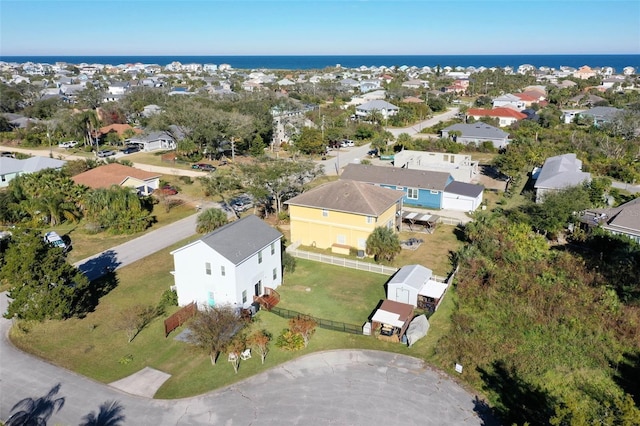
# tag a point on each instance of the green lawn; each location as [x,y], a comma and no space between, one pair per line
[95,347]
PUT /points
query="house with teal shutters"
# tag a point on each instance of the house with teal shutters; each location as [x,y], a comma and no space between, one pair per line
[422,188]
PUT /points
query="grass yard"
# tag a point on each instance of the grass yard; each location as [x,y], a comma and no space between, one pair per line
[95,347]
[317,289]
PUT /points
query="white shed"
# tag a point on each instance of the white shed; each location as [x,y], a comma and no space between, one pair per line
[406,284]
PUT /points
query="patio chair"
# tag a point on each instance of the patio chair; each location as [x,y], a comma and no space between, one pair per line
[232,357]
[246,354]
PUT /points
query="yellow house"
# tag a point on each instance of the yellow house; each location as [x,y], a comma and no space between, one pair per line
[341,215]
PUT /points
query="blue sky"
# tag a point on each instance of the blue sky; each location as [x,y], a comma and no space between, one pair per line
[301,27]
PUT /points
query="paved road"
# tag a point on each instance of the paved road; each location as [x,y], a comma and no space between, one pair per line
[339,387]
[64,155]
[338,158]
[416,128]
[138,248]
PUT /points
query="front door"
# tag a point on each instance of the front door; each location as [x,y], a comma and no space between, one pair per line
[258,288]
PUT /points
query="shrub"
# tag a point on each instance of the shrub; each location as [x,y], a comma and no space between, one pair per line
[186,180]
[290,341]
[169,298]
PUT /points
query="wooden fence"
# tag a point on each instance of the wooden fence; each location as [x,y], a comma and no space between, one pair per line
[179,318]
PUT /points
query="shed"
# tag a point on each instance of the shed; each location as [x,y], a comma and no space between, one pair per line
[416,285]
[405,284]
[391,320]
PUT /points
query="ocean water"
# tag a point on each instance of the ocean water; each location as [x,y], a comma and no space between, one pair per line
[618,62]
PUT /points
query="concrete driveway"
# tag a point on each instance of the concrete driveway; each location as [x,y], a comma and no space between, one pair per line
[350,387]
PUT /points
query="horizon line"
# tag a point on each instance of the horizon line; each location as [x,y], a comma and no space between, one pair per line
[320,55]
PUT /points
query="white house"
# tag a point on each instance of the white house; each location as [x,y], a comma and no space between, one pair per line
[415,285]
[230,265]
[383,107]
[558,173]
[11,167]
[459,166]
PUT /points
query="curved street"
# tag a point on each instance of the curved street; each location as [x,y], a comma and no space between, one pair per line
[351,387]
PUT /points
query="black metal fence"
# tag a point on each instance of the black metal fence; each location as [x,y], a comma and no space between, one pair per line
[322,323]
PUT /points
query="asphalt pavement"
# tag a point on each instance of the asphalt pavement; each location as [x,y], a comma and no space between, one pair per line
[351,387]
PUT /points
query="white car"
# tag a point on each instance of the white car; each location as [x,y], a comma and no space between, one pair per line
[55,240]
[69,144]
[347,143]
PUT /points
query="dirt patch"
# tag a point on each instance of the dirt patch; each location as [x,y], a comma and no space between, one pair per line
[490,178]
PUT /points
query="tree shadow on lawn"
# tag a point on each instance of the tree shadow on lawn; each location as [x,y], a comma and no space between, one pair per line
[101,272]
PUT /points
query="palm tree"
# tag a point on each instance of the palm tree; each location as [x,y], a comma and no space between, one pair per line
[383,244]
[211,219]
[36,412]
[110,414]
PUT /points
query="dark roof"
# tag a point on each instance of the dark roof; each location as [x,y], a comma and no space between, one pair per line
[349,196]
[397,176]
[624,219]
[477,130]
[466,189]
[242,238]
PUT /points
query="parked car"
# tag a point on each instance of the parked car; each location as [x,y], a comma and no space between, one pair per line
[372,153]
[52,238]
[68,144]
[242,203]
[204,167]
[106,153]
[130,149]
[347,143]
[167,190]
[7,154]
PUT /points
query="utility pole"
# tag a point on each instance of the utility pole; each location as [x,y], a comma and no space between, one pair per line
[233,150]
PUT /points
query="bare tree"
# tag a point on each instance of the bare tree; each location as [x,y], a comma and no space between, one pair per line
[134,319]
[260,339]
[304,326]
[234,349]
[213,328]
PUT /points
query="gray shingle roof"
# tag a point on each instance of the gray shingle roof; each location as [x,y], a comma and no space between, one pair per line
[425,179]
[477,130]
[349,196]
[625,218]
[466,189]
[561,171]
[376,105]
[242,238]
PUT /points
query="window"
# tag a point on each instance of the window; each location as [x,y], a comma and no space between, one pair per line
[341,239]
[445,158]
[207,268]
[362,243]
[325,213]
[453,159]
[273,248]
[244,297]
[412,193]
[433,192]
[222,271]
[370,219]
[260,257]
[275,273]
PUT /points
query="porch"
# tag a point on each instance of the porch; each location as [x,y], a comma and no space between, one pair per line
[268,300]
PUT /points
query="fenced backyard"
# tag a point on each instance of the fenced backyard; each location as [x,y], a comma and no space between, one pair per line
[340,261]
[322,323]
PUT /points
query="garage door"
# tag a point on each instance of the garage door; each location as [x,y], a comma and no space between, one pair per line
[459,204]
